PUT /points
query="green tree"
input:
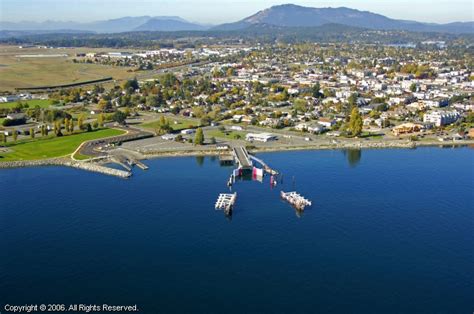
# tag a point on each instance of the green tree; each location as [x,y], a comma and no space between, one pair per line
[315,91]
[104,105]
[80,122]
[100,120]
[119,116]
[355,123]
[199,137]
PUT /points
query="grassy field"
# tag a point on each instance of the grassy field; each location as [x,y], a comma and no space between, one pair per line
[50,147]
[231,135]
[181,123]
[29,72]
[42,103]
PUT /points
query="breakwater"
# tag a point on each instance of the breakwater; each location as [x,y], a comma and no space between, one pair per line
[93,167]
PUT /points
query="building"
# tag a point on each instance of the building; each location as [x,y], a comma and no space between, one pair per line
[440,118]
[260,137]
[407,128]
[188,131]
[8,98]
[169,137]
[327,123]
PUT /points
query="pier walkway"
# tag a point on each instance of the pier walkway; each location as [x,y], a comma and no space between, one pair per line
[242,157]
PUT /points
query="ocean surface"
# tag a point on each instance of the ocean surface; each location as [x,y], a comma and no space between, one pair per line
[390,231]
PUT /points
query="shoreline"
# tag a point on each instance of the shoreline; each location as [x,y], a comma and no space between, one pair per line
[339,146]
[95,167]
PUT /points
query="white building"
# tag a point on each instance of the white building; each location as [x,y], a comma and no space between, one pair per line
[188,131]
[8,98]
[260,137]
[440,118]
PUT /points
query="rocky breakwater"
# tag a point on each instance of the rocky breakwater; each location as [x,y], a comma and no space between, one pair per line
[84,165]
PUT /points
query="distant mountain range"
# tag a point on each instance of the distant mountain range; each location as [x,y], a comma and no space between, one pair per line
[287,15]
[291,15]
[120,25]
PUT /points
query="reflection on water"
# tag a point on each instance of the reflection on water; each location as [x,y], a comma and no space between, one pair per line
[200,160]
[353,156]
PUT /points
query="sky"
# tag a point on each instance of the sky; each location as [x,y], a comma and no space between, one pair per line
[215,11]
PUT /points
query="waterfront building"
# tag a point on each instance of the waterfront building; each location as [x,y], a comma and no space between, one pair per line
[260,137]
[440,118]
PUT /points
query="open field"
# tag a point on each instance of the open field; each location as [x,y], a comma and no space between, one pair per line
[182,123]
[40,71]
[42,103]
[230,135]
[50,147]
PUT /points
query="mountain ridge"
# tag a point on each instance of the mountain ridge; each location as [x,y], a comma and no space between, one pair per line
[291,15]
[285,15]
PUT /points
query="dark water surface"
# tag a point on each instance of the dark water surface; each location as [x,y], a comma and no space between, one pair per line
[390,231]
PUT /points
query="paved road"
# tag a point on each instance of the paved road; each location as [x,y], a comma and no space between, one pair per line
[91,148]
[242,157]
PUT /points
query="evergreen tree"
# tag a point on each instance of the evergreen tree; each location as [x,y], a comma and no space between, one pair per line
[199,138]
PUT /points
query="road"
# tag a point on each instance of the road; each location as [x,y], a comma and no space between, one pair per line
[91,148]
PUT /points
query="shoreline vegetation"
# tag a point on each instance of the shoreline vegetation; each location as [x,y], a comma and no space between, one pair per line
[96,167]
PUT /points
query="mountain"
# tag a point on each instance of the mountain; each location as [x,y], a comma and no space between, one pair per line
[124,24]
[290,15]
[286,15]
[169,25]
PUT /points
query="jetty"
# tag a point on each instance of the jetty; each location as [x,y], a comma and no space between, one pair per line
[242,158]
[295,199]
[226,202]
[264,165]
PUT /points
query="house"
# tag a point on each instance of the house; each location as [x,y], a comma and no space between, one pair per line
[260,137]
[16,116]
[222,146]
[236,128]
[237,118]
[326,122]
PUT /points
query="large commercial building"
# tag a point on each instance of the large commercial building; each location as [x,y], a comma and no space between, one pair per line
[440,118]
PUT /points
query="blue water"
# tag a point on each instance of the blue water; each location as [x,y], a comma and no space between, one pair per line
[390,231]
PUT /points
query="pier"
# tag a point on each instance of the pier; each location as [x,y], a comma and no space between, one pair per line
[264,165]
[242,157]
[226,202]
[295,199]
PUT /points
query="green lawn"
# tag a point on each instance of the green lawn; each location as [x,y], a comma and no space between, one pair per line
[42,103]
[228,134]
[50,147]
[182,123]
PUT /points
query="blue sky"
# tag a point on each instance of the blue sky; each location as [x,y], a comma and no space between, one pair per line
[215,11]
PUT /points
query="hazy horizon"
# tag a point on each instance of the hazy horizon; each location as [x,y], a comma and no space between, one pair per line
[216,12]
